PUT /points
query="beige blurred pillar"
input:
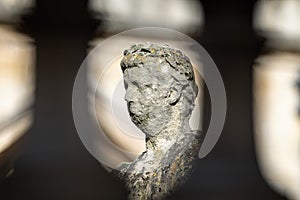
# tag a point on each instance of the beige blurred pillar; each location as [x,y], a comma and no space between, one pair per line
[16,93]
[277,121]
[277,95]
[119,15]
[11,11]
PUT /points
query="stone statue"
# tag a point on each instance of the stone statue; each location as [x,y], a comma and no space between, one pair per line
[160,92]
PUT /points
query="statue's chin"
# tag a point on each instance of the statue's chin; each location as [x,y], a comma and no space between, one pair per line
[149,126]
[150,131]
[141,124]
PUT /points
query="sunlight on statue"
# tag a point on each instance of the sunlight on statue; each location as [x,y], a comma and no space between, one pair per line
[160,93]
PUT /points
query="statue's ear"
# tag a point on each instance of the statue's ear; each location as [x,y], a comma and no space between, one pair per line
[174,95]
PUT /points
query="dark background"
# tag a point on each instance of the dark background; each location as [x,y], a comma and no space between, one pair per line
[55,164]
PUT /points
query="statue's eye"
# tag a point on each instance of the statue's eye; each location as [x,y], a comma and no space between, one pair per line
[154,87]
[147,88]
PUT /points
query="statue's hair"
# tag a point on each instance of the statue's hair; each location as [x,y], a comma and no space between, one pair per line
[139,54]
[135,56]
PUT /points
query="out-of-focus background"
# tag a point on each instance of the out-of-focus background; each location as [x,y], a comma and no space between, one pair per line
[55,165]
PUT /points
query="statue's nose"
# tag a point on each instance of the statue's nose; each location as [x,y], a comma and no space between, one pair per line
[131,94]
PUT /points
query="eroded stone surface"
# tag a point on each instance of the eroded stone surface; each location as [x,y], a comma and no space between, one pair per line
[160,92]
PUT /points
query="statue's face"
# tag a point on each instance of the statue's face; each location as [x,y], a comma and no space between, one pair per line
[148,99]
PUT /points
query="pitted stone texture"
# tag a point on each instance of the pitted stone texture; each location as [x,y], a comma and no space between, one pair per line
[160,92]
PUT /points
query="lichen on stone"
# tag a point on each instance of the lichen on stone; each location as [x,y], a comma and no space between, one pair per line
[160,93]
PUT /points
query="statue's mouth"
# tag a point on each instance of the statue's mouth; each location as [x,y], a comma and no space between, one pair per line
[136,115]
[133,108]
[130,106]
[137,120]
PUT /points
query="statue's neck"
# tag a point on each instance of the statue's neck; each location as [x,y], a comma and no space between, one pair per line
[172,132]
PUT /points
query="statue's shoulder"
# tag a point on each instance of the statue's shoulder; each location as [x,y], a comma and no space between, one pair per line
[126,168]
[194,139]
[197,134]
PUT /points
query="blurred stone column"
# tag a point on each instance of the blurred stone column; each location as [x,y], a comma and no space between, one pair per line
[17,82]
[277,95]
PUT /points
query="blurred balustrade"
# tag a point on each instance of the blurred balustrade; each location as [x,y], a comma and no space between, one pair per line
[17,83]
[277,95]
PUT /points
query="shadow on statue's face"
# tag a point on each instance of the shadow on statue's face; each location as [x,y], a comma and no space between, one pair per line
[148,100]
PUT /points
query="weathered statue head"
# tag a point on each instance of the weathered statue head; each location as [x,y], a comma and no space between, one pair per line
[160,87]
[160,92]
